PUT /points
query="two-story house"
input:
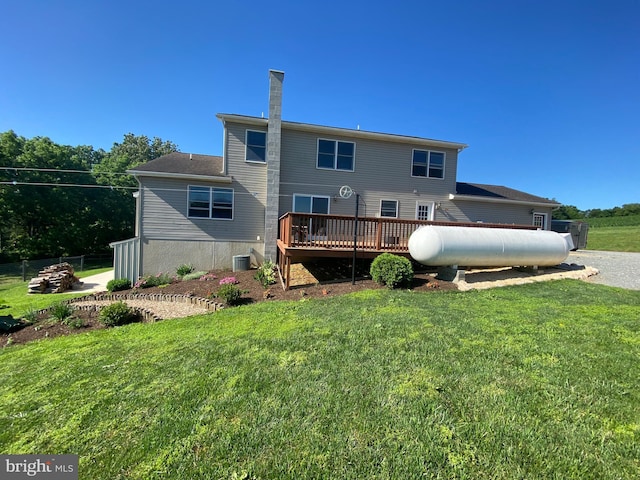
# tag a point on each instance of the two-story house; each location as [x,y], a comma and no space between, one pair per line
[275,192]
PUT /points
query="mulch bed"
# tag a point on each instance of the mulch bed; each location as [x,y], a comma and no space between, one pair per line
[253,292]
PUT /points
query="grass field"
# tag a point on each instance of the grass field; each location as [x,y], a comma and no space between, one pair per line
[616,239]
[536,381]
[14,295]
[616,234]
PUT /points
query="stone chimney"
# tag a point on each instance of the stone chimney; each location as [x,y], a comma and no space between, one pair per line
[276,78]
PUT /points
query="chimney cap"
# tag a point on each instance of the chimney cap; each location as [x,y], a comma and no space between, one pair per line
[271,70]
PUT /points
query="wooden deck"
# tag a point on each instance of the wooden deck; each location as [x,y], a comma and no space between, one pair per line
[304,236]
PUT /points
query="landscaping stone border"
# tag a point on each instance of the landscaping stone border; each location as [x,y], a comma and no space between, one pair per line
[146,314]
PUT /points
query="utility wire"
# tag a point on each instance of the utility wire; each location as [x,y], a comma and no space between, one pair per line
[57,170]
[43,184]
[115,187]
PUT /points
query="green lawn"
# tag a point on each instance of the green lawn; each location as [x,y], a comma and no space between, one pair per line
[14,295]
[536,381]
[617,239]
[617,234]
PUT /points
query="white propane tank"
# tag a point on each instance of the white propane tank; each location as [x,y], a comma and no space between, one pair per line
[487,247]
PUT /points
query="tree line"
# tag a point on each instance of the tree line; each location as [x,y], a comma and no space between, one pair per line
[60,200]
[570,212]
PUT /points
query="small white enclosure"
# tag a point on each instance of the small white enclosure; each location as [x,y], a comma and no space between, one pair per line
[487,247]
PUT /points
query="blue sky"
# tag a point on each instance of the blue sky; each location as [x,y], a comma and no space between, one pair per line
[545,93]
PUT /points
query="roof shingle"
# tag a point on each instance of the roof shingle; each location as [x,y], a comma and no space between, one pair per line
[499,192]
[184,164]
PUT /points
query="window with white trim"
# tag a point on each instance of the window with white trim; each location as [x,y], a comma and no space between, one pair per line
[336,155]
[426,163]
[210,202]
[310,204]
[256,146]
[309,228]
[389,208]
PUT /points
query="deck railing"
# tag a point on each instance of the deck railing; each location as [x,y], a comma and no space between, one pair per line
[308,230]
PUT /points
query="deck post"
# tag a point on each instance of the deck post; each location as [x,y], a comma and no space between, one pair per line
[288,268]
[379,234]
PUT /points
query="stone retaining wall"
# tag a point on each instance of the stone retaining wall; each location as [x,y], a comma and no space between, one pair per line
[146,314]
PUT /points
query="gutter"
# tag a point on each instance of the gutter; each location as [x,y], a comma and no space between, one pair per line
[181,176]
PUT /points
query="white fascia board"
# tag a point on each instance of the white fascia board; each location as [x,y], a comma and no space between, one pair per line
[245,120]
[345,132]
[182,176]
[473,198]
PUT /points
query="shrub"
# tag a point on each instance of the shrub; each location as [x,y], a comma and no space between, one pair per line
[73,322]
[154,281]
[30,315]
[391,270]
[266,274]
[118,284]
[185,269]
[193,276]
[117,313]
[230,293]
[61,311]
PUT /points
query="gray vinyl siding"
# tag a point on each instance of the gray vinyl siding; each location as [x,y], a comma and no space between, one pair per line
[165,215]
[382,170]
[489,212]
[251,175]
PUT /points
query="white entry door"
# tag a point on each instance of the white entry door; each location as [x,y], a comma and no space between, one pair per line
[540,220]
[425,211]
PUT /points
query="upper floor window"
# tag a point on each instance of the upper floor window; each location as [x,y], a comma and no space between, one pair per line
[256,150]
[428,164]
[336,155]
[211,202]
[389,208]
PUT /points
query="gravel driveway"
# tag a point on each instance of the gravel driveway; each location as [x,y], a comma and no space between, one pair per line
[617,269]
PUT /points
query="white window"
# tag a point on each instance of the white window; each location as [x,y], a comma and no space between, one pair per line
[426,163]
[256,146]
[389,208]
[540,220]
[210,202]
[336,155]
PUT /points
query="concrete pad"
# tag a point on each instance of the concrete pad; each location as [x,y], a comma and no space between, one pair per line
[93,283]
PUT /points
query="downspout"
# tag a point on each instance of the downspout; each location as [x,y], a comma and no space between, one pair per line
[224,147]
[138,226]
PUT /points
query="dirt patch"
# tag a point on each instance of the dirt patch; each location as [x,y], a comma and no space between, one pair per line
[45,327]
